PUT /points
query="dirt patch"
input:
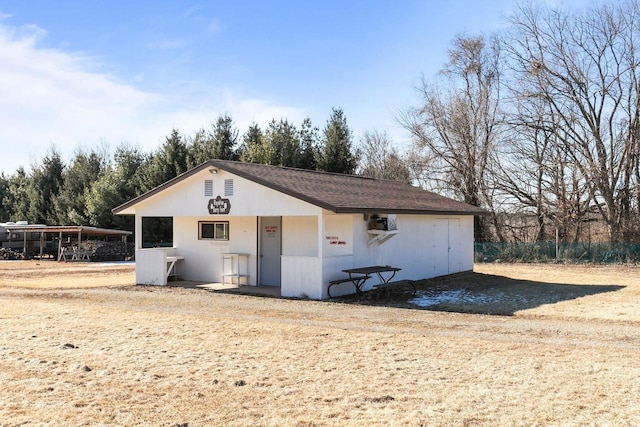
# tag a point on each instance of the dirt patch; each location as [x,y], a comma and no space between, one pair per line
[66,275]
[171,356]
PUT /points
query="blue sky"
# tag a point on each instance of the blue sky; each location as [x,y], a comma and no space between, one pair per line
[78,74]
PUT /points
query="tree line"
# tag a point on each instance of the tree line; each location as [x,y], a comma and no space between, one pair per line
[84,191]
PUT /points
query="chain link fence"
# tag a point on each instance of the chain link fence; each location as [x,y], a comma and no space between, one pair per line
[601,253]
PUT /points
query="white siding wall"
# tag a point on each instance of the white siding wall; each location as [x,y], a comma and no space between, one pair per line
[301,277]
[421,247]
[300,236]
[202,258]
[301,264]
[338,238]
[425,247]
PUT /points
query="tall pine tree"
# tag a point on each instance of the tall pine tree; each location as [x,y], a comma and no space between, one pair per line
[336,153]
[43,187]
[308,145]
[70,205]
[253,148]
[283,145]
[224,138]
[167,163]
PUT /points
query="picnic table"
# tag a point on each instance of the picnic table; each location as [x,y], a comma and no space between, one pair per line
[359,276]
[379,270]
[74,254]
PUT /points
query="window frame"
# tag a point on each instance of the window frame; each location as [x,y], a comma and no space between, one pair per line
[214,224]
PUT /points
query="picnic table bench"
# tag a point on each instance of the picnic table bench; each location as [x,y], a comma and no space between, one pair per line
[358,282]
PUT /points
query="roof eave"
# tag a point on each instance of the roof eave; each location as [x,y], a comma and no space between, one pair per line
[361,210]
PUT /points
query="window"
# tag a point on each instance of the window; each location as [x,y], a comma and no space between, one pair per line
[157,232]
[218,230]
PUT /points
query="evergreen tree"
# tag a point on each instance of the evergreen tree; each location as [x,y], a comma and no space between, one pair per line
[308,145]
[70,205]
[15,200]
[283,144]
[167,163]
[200,149]
[42,189]
[224,139]
[5,213]
[219,143]
[129,166]
[253,149]
[115,186]
[336,155]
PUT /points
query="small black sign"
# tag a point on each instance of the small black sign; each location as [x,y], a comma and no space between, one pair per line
[219,206]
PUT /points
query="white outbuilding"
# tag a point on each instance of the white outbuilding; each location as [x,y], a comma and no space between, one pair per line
[260,225]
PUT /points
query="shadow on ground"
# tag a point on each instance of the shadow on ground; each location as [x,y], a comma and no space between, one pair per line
[484,294]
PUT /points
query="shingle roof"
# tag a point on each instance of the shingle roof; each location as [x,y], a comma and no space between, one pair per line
[338,193]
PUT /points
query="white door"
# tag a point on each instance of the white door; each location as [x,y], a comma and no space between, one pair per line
[440,247]
[446,246]
[270,250]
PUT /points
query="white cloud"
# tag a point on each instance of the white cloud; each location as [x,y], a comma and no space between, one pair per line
[51,97]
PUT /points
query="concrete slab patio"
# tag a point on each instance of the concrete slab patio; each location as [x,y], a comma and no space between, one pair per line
[267,291]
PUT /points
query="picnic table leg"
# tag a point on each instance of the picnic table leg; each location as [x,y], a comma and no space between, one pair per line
[383,280]
[358,284]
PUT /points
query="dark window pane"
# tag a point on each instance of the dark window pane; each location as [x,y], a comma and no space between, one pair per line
[157,232]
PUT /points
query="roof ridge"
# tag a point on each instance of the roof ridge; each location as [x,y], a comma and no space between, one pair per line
[342,175]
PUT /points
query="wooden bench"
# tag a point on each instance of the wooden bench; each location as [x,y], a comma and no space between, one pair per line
[357,281]
[385,289]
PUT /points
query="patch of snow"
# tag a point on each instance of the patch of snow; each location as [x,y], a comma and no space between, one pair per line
[464,296]
[112,263]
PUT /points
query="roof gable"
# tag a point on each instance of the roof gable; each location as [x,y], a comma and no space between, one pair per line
[338,193]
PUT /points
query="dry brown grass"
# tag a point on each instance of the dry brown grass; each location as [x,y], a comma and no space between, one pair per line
[170,356]
[65,275]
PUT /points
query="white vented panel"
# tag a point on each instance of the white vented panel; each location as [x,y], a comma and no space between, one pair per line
[208,188]
[228,187]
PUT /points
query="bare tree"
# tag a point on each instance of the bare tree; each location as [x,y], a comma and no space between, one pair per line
[379,159]
[456,127]
[583,67]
